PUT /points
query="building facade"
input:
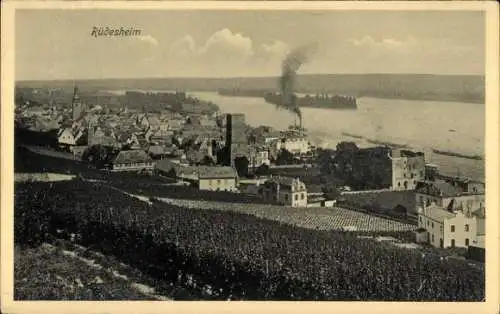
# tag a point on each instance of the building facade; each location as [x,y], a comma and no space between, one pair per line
[296,145]
[446,228]
[217,179]
[408,168]
[236,139]
[378,167]
[132,160]
[284,191]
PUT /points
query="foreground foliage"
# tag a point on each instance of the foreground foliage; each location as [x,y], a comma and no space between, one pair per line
[240,256]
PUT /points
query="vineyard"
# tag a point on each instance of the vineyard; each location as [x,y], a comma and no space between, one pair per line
[49,272]
[240,256]
[316,218]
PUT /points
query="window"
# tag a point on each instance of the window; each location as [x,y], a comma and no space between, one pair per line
[286,197]
[452,242]
[441,228]
[399,184]
[218,181]
[421,199]
[432,238]
[428,223]
[466,242]
[421,173]
[420,219]
[452,228]
[210,182]
[302,196]
[467,228]
[296,197]
[432,225]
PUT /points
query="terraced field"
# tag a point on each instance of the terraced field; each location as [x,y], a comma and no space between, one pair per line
[335,218]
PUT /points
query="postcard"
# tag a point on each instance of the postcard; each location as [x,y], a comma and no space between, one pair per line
[249,156]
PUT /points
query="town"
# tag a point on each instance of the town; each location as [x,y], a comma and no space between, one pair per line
[197,146]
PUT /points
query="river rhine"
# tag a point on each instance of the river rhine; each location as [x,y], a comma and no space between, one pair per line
[422,125]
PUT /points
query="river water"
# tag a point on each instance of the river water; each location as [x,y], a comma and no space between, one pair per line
[422,125]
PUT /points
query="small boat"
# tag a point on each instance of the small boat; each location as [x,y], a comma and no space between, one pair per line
[451,130]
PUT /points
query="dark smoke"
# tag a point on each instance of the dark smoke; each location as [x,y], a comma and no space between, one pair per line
[291,64]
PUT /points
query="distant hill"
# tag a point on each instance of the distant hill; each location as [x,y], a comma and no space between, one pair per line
[468,88]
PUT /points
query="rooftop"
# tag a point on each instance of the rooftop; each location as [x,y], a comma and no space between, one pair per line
[131,156]
[206,172]
[437,213]
[438,188]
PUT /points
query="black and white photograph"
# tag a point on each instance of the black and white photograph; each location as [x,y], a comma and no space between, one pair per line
[179,153]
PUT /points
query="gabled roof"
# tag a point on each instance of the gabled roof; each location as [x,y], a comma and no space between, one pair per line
[437,213]
[131,156]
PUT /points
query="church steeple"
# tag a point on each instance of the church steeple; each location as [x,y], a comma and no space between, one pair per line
[76,106]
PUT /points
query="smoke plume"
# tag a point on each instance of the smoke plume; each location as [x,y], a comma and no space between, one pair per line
[289,67]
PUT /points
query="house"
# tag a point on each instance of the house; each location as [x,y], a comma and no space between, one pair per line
[259,156]
[284,191]
[102,135]
[295,144]
[217,178]
[446,228]
[132,160]
[176,170]
[378,167]
[69,137]
[161,152]
[450,195]
[408,168]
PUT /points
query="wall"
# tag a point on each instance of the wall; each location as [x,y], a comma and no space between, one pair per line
[285,197]
[226,184]
[236,139]
[407,172]
[435,230]
[133,166]
[460,234]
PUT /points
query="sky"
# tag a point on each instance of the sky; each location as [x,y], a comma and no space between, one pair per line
[57,44]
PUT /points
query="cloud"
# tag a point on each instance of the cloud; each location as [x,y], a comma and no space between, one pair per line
[369,42]
[149,40]
[225,44]
[229,51]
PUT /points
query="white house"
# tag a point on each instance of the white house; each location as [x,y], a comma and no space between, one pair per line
[284,191]
[294,144]
[446,228]
[217,178]
[70,136]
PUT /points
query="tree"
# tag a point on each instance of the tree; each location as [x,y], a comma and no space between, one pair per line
[284,158]
[241,165]
[207,161]
[262,170]
[97,155]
